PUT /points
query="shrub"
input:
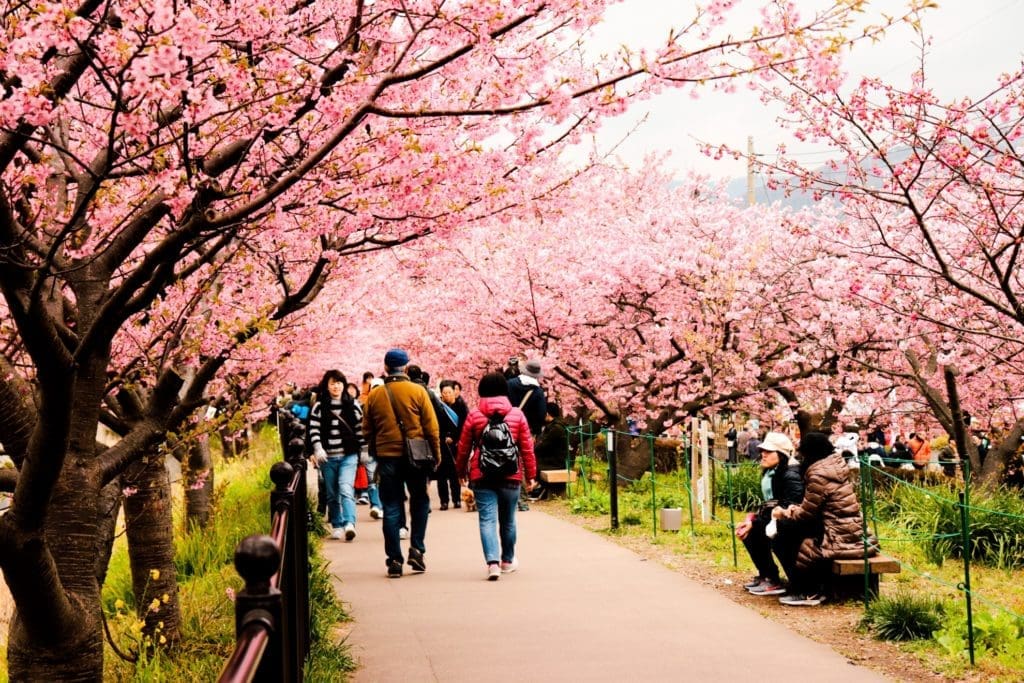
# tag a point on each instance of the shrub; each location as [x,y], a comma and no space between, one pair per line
[593,502]
[933,515]
[740,489]
[632,519]
[904,616]
[999,635]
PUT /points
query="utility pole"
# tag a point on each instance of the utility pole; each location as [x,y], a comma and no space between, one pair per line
[750,170]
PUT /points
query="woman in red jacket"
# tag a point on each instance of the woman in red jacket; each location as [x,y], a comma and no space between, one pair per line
[495,455]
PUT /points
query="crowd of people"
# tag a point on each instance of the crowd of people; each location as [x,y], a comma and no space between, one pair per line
[879,447]
[382,442]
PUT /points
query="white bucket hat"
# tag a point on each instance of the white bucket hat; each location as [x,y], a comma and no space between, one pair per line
[778,442]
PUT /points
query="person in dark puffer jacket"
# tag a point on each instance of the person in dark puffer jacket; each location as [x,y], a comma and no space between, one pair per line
[830,504]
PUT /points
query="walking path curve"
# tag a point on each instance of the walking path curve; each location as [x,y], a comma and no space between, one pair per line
[579,608]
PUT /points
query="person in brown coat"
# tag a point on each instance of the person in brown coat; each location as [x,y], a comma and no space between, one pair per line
[401,398]
[831,511]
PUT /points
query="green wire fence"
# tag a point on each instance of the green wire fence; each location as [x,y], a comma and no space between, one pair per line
[583,458]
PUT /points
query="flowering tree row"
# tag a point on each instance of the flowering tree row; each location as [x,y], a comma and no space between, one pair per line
[179,179]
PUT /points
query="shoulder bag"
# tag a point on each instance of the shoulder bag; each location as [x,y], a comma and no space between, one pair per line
[417,451]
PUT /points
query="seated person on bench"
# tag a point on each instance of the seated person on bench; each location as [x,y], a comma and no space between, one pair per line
[781,485]
[551,446]
[830,506]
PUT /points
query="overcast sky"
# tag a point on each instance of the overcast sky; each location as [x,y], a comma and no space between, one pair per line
[973,42]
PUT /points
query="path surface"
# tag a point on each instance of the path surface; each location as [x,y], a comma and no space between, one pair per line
[580,608]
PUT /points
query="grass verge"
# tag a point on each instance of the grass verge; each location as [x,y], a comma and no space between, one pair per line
[204,560]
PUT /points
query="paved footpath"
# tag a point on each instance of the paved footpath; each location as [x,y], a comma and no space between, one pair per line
[580,608]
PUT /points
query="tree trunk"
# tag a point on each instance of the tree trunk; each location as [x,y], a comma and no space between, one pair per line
[108,507]
[17,412]
[198,477]
[75,651]
[150,532]
[989,472]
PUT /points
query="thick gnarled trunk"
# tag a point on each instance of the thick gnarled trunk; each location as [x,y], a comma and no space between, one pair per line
[51,566]
[74,651]
[150,535]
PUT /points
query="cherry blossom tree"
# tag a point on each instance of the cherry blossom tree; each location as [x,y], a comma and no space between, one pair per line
[667,300]
[179,178]
[932,192]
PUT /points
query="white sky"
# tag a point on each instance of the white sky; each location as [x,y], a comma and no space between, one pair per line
[973,42]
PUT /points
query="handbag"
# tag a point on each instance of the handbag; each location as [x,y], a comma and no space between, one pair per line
[417,451]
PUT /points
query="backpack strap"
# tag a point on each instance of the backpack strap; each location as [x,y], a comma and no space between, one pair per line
[525,399]
[344,422]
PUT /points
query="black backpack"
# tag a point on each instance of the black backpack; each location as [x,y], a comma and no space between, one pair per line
[499,455]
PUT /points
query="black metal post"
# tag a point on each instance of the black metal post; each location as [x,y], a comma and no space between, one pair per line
[282,500]
[300,534]
[257,560]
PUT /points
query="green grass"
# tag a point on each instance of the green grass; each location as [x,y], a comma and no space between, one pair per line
[204,560]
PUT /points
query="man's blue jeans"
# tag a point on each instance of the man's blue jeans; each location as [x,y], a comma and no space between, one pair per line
[395,474]
[339,484]
[496,508]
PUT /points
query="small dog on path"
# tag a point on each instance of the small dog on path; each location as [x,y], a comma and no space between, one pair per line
[469,500]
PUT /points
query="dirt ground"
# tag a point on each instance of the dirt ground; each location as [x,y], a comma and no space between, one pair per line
[832,624]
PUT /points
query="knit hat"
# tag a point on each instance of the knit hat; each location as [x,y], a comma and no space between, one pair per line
[396,358]
[777,442]
[814,446]
[493,384]
[532,369]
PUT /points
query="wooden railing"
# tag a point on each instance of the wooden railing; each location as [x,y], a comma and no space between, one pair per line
[272,611]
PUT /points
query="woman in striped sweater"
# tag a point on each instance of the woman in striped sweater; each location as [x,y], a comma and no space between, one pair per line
[332,432]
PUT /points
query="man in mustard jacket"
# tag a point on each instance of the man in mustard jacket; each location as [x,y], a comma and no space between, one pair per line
[395,473]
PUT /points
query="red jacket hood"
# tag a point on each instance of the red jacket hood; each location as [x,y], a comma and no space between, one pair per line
[488,405]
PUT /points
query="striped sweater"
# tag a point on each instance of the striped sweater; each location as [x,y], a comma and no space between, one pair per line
[336,437]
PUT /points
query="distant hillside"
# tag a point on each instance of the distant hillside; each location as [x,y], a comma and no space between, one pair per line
[737,189]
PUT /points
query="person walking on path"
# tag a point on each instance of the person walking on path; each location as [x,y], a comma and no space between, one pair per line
[496,494]
[334,437]
[526,393]
[451,428]
[400,399]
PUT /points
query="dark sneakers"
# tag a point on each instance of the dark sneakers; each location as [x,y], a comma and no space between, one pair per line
[394,569]
[768,587]
[416,560]
[803,600]
[754,583]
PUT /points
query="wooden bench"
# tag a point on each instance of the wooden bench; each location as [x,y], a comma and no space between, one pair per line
[561,476]
[848,576]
